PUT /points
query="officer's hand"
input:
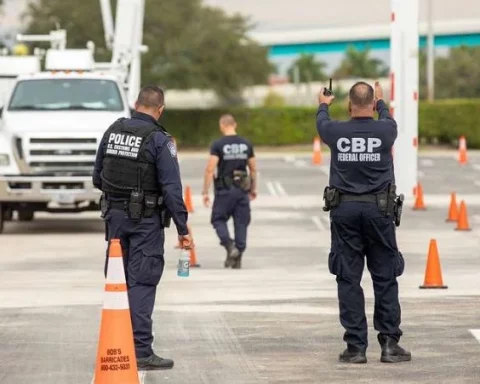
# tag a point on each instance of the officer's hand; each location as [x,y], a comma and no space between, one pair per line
[322,99]
[252,195]
[185,242]
[378,91]
[206,200]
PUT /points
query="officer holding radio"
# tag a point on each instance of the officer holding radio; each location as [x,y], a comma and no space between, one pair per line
[234,188]
[137,170]
[364,210]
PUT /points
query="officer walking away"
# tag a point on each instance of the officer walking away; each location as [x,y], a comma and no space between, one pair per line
[234,187]
[363,206]
[137,170]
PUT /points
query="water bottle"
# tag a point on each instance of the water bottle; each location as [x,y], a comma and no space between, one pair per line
[184,264]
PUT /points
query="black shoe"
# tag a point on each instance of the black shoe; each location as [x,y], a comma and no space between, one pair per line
[232,254]
[237,264]
[391,351]
[153,362]
[353,355]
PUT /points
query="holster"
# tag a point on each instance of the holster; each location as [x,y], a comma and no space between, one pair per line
[135,206]
[331,196]
[104,206]
[241,180]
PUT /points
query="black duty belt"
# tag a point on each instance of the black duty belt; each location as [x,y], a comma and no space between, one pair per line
[359,198]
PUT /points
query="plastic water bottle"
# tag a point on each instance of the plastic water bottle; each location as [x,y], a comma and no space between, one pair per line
[184,264]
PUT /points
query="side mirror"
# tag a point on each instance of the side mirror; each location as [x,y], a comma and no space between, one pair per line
[1,111]
[131,111]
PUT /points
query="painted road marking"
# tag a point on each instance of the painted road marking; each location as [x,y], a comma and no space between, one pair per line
[271,188]
[476,167]
[476,334]
[477,183]
[427,162]
[280,189]
[301,163]
[289,159]
[316,220]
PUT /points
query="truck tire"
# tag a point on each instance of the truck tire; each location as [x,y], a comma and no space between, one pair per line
[2,220]
[7,214]
[25,215]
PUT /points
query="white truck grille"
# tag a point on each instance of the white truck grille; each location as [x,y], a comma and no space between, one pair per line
[55,154]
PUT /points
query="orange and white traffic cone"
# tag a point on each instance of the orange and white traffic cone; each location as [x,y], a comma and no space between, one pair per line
[462,151]
[116,361]
[193,253]
[317,151]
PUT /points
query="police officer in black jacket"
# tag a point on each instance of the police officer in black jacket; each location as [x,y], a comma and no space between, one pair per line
[137,170]
[234,188]
[363,206]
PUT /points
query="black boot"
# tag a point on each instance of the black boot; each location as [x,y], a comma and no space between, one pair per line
[391,351]
[238,262]
[232,254]
[153,362]
[353,355]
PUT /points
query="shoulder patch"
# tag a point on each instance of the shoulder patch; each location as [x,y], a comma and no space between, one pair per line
[172,148]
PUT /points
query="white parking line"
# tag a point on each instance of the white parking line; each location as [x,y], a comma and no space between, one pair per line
[427,162]
[476,334]
[316,220]
[477,183]
[289,159]
[271,188]
[301,163]
[476,167]
[280,189]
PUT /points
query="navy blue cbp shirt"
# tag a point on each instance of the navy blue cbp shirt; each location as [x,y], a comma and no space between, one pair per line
[361,150]
[162,150]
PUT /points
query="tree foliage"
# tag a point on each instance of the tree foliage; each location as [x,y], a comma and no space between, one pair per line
[309,69]
[190,45]
[359,64]
[456,75]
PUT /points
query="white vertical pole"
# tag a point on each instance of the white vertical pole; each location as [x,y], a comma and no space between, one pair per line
[404,92]
[430,54]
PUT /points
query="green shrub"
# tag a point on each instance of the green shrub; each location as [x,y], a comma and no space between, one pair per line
[442,121]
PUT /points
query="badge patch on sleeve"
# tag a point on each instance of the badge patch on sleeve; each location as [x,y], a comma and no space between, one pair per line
[172,149]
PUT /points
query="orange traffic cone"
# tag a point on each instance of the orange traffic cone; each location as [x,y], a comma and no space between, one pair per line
[193,254]
[453,210]
[462,150]
[433,272]
[419,204]
[317,151]
[116,360]
[188,199]
[462,223]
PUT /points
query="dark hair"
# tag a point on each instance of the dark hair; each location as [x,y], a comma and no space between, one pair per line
[151,96]
[362,94]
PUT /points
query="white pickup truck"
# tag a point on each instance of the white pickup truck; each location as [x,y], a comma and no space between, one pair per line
[50,127]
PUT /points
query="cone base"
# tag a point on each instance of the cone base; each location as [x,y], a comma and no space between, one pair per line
[195,265]
[419,209]
[433,287]
[450,221]
[463,229]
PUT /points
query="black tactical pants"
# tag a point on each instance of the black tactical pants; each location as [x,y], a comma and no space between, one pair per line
[233,202]
[142,244]
[359,229]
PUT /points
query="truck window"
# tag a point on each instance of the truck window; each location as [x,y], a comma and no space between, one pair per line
[66,94]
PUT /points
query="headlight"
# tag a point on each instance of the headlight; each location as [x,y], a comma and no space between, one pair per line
[4,160]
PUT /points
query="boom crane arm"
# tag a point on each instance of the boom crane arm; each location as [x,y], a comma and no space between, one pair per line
[125,41]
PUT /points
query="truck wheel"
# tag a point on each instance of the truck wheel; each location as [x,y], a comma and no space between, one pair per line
[7,214]
[2,220]
[25,215]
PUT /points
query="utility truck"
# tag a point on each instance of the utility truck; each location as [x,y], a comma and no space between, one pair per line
[52,120]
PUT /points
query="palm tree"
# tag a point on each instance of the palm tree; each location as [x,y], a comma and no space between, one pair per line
[309,69]
[359,64]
